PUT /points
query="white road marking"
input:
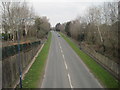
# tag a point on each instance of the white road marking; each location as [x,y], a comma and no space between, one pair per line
[66,65]
[67,69]
[70,81]
[64,61]
[63,56]
[60,47]
[61,51]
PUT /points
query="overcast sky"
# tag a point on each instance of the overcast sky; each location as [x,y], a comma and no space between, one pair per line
[62,10]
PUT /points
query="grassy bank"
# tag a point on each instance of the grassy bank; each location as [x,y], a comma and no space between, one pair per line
[106,79]
[34,75]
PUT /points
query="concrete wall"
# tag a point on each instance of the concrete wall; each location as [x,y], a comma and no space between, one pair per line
[10,64]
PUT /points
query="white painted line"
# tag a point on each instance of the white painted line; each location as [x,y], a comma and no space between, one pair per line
[60,47]
[61,51]
[70,81]
[63,56]
[65,65]
[64,61]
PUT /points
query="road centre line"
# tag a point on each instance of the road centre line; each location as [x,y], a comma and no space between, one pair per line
[63,56]
[70,81]
[61,51]
[60,48]
[67,69]
[65,65]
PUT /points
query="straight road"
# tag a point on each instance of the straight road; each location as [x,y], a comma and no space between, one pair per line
[65,69]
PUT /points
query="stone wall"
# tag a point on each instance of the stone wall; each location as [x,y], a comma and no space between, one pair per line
[11,61]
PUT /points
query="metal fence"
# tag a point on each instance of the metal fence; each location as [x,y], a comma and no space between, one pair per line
[12,50]
[10,61]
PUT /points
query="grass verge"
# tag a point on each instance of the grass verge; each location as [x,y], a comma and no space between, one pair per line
[106,79]
[33,76]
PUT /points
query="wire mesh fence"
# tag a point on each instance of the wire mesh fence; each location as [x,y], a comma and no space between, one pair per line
[12,50]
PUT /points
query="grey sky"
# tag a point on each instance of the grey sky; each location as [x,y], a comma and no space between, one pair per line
[60,11]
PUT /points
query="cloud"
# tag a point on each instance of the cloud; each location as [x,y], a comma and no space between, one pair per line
[60,12]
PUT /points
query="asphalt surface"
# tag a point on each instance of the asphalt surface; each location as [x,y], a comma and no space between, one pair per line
[64,68]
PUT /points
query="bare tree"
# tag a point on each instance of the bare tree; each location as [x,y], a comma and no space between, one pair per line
[75,28]
[15,14]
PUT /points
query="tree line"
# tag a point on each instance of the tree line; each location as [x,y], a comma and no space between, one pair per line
[19,18]
[98,28]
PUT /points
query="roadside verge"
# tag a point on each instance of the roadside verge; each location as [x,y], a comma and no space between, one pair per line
[34,74]
[104,77]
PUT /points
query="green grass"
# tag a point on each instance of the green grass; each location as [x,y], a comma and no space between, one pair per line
[34,75]
[106,79]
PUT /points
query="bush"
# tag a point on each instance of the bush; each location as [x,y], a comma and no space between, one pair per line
[81,37]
